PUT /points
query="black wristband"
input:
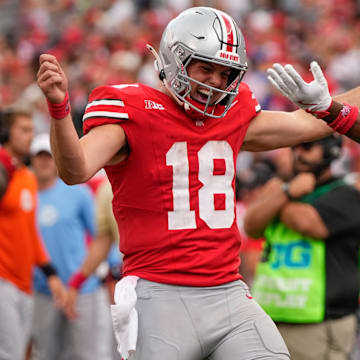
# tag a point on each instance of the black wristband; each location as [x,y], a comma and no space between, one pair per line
[48,270]
[285,188]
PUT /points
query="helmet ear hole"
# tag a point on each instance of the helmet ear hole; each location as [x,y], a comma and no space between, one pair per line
[161,72]
[162,75]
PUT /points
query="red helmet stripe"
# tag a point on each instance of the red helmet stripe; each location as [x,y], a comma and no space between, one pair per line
[229,34]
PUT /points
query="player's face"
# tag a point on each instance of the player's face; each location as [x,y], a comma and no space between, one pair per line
[21,135]
[208,73]
[44,166]
[307,157]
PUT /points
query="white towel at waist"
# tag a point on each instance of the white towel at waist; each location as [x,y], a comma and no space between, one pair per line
[124,316]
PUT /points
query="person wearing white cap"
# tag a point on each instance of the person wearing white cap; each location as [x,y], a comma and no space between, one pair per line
[65,216]
[40,143]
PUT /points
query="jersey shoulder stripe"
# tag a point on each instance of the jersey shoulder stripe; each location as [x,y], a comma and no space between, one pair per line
[123,86]
[105,114]
[111,104]
[258,106]
[105,102]
[246,96]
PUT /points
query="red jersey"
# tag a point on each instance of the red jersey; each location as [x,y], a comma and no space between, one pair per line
[174,196]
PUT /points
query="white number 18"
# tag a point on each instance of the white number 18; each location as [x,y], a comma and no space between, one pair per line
[184,218]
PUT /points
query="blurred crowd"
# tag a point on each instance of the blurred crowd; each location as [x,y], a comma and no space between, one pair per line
[104,42]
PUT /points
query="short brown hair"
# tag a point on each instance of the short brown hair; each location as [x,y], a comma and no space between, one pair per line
[7,120]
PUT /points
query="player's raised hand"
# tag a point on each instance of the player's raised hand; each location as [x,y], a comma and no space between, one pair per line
[313,97]
[51,79]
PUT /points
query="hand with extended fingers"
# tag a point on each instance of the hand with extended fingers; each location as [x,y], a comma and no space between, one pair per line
[313,97]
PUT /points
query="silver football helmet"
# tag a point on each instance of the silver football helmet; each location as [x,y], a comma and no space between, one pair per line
[205,34]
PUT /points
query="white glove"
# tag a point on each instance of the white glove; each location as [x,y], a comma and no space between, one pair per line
[312,97]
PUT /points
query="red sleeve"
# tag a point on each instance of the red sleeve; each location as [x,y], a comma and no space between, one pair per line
[244,109]
[248,100]
[106,106]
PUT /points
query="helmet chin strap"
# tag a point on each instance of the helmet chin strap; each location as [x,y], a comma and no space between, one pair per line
[163,79]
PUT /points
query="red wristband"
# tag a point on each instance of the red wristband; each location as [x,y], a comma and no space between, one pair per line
[346,119]
[60,111]
[7,162]
[76,280]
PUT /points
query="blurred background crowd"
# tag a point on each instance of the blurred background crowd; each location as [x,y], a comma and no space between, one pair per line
[104,42]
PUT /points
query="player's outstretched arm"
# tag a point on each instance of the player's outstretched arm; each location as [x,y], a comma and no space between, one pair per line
[273,129]
[314,98]
[77,160]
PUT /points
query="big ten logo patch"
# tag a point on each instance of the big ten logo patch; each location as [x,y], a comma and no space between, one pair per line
[149,104]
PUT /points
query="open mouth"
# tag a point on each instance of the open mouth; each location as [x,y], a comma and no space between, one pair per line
[202,96]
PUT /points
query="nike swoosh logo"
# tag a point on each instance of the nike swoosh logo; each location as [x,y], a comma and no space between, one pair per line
[198,37]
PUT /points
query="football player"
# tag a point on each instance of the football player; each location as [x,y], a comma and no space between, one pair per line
[170,157]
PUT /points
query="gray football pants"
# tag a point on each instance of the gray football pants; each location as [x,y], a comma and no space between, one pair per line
[196,323]
[15,321]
